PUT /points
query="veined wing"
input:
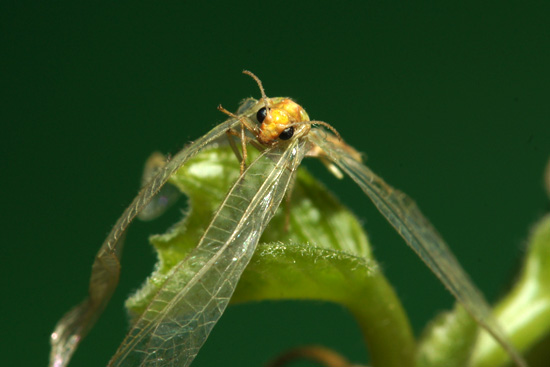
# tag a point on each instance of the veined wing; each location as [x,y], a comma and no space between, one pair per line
[196,292]
[166,196]
[76,323]
[420,235]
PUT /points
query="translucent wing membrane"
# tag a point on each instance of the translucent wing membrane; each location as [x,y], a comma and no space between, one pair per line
[196,292]
[419,234]
[167,195]
[76,323]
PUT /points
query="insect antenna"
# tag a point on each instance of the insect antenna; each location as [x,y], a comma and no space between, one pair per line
[260,85]
[328,126]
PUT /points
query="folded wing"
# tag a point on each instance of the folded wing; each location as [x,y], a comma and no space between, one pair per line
[196,292]
[76,323]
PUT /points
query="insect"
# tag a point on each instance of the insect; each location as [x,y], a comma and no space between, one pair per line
[183,312]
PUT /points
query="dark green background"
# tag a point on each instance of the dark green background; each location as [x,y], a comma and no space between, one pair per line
[450,104]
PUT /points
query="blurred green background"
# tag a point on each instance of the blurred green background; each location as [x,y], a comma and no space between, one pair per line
[449,102]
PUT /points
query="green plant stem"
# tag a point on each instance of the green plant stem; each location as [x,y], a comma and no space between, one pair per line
[303,272]
[525,311]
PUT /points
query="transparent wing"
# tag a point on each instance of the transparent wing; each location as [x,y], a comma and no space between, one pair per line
[183,312]
[419,234]
[76,323]
[167,195]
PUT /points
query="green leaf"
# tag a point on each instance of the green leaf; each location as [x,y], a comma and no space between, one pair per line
[525,311]
[448,340]
[454,339]
[324,254]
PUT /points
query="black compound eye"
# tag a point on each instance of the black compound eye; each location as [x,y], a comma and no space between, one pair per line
[287,133]
[261,114]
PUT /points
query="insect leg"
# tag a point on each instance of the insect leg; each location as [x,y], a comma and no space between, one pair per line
[245,125]
[288,202]
[243,147]
[233,145]
[244,141]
